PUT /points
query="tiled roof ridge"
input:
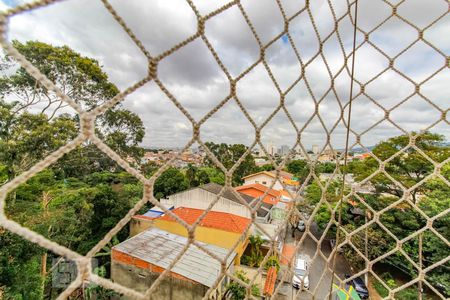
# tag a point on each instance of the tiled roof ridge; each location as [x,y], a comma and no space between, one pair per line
[261,187]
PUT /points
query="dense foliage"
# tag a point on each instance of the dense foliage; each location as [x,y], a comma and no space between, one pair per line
[432,198]
[236,291]
[229,155]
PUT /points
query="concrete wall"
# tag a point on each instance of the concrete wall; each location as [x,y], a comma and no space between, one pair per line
[200,199]
[169,289]
[221,238]
[138,225]
[265,180]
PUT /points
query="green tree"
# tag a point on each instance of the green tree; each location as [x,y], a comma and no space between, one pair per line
[409,167]
[170,182]
[266,167]
[82,79]
[326,167]
[228,155]
[256,256]
[296,166]
[149,168]
[236,291]
[299,168]
[26,138]
[196,176]
[19,267]
[214,175]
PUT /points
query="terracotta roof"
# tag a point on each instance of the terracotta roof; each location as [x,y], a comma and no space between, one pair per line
[213,219]
[260,187]
[269,285]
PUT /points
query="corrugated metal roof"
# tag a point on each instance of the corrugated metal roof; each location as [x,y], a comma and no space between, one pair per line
[160,248]
[153,214]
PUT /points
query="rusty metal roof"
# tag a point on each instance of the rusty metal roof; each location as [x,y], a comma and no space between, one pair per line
[160,248]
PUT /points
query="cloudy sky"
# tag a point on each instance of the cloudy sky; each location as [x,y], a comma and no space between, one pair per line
[192,75]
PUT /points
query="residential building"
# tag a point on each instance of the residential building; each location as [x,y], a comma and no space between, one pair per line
[140,223]
[257,190]
[366,188]
[216,228]
[137,262]
[201,197]
[267,178]
[261,162]
[271,149]
[315,149]
[268,234]
[284,150]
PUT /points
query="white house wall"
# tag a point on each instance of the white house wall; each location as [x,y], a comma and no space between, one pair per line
[261,178]
[201,199]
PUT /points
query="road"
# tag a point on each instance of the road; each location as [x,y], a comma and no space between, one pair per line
[319,275]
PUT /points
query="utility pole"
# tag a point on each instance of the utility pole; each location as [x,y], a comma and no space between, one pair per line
[366,250]
[420,264]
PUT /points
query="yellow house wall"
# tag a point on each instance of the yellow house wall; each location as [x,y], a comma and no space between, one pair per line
[207,235]
[139,225]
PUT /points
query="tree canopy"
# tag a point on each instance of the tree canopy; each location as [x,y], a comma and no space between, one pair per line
[228,155]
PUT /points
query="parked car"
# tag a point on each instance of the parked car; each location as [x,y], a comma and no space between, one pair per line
[300,274]
[301,225]
[359,286]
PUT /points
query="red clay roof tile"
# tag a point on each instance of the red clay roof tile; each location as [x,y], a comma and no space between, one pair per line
[213,219]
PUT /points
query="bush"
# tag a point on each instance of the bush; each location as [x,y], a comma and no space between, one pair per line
[407,294]
[272,261]
[382,291]
[235,291]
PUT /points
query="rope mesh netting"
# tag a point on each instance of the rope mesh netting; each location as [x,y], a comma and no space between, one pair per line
[341,14]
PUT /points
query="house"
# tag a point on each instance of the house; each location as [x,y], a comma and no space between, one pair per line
[202,196]
[268,234]
[216,228]
[257,190]
[140,223]
[137,263]
[366,188]
[267,178]
[285,196]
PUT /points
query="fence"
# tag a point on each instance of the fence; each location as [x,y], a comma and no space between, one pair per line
[334,29]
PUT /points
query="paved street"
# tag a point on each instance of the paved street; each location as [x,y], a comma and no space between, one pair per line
[319,286]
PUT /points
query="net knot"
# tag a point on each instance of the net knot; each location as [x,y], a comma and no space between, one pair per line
[152,68]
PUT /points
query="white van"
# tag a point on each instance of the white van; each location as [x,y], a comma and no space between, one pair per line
[300,274]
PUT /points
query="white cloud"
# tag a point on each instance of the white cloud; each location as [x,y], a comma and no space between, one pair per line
[192,75]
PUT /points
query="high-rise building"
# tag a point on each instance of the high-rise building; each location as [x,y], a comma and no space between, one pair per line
[315,149]
[271,149]
[284,150]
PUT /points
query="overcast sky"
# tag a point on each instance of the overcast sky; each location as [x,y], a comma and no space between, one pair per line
[195,79]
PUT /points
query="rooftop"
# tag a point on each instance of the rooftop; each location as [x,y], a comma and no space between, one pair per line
[215,188]
[283,174]
[259,187]
[160,248]
[213,219]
